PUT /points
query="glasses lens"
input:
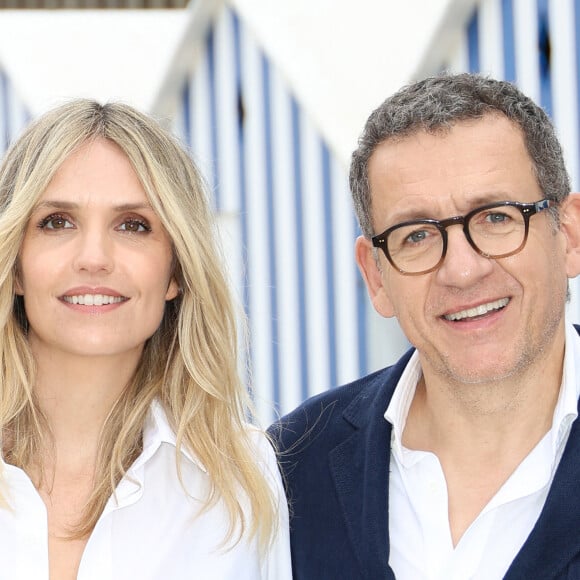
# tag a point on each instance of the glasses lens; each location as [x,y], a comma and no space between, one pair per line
[415,247]
[498,230]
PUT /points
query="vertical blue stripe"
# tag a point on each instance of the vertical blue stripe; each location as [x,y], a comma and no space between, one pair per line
[241,140]
[210,44]
[269,169]
[186,111]
[362,322]
[298,204]
[473,43]
[5,112]
[544,56]
[509,49]
[331,308]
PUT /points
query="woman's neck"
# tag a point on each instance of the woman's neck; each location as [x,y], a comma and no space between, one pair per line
[76,394]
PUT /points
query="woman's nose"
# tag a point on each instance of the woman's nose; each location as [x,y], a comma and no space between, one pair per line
[93,251]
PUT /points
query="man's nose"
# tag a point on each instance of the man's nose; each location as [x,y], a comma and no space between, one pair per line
[462,265]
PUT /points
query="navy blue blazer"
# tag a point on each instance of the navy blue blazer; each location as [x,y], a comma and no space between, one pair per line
[334,453]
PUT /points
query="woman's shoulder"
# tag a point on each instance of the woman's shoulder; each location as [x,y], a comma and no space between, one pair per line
[261,443]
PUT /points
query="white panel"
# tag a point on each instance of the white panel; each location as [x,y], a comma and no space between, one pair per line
[228,223]
[201,129]
[458,59]
[177,124]
[17,116]
[526,48]
[491,38]
[230,237]
[573,307]
[285,259]
[345,273]
[258,245]
[227,117]
[3,105]
[386,341]
[565,101]
[314,260]
[227,141]
[564,81]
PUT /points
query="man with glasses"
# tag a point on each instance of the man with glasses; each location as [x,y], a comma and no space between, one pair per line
[463,459]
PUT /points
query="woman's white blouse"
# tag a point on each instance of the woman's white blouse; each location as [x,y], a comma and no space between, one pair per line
[149,529]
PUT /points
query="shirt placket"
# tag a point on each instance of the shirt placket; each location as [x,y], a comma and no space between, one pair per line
[97,562]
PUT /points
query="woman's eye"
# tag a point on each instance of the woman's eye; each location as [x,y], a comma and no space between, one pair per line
[135,226]
[55,222]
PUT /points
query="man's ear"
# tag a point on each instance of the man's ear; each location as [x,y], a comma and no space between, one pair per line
[570,226]
[369,267]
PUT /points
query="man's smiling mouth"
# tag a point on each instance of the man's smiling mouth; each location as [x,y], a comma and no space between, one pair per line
[480,310]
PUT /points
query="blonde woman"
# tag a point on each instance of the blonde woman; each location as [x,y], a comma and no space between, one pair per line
[125,448]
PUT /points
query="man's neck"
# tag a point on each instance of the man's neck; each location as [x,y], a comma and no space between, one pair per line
[480,433]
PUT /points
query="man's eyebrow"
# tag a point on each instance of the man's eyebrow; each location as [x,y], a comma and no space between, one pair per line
[480,199]
[419,212]
[409,214]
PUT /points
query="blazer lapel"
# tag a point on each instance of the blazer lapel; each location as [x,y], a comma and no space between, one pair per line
[555,539]
[360,469]
[362,489]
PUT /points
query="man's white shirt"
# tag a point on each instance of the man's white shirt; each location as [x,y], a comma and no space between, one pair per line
[151,529]
[421,547]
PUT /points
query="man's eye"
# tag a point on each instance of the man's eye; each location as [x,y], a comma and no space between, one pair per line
[55,222]
[417,237]
[135,226]
[497,218]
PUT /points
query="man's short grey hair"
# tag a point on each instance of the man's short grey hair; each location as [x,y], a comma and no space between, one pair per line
[434,105]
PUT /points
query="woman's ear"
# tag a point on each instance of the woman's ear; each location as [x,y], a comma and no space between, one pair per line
[18,288]
[570,227]
[368,263]
[173,290]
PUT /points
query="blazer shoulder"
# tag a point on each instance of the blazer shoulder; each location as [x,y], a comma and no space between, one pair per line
[331,415]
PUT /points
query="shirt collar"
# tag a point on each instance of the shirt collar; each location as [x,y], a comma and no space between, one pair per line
[157,431]
[398,408]
[566,409]
[565,412]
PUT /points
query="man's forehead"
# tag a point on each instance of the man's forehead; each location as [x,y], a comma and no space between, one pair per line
[444,129]
[493,127]
[476,161]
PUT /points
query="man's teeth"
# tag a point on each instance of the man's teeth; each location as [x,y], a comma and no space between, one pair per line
[92,299]
[478,310]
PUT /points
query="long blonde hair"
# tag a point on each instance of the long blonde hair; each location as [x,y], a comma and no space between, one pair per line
[189,364]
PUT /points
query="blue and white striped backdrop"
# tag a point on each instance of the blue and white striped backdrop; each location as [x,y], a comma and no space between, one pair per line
[536,44]
[282,199]
[284,206]
[13,113]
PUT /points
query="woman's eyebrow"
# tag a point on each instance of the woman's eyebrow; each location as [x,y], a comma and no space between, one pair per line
[132,206]
[70,205]
[55,204]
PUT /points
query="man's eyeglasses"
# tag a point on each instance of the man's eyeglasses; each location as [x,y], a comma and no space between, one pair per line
[496,230]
